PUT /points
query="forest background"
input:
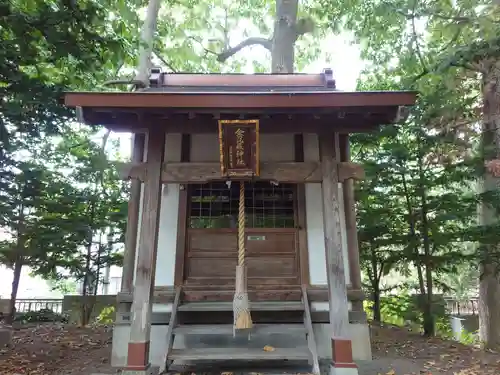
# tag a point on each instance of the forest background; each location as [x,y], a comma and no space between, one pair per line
[428,209]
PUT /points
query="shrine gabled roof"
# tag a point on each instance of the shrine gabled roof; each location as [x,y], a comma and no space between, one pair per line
[181,90]
[312,94]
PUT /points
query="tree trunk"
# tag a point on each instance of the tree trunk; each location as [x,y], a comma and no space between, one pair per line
[429,328]
[428,301]
[412,236]
[282,44]
[105,280]
[375,274]
[377,316]
[85,313]
[420,275]
[489,284]
[147,40]
[284,37]
[18,265]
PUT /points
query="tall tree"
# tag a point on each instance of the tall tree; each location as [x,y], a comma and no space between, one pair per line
[29,191]
[451,46]
[97,217]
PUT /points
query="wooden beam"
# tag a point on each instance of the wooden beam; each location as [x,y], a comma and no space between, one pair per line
[350,225]
[133,218]
[205,122]
[342,358]
[350,171]
[166,294]
[140,329]
[284,172]
[182,215]
[337,291]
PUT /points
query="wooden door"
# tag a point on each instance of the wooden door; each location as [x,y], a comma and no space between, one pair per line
[271,235]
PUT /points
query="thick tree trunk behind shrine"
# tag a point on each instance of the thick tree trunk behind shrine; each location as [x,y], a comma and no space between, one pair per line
[489,285]
[285,36]
[282,43]
[147,38]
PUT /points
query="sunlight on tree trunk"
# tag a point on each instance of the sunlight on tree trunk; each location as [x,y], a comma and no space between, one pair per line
[489,285]
[287,29]
[147,40]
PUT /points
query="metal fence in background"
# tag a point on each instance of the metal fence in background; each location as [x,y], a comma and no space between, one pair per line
[453,307]
[28,305]
[462,307]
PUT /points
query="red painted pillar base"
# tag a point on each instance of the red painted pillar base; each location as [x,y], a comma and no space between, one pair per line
[138,360]
[342,361]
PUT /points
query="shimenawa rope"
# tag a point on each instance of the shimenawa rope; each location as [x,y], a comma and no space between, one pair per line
[241,308]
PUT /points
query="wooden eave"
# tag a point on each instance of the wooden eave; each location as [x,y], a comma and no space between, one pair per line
[279,111]
[239,100]
[192,103]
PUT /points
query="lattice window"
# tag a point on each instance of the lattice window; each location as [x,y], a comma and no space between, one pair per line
[214,205]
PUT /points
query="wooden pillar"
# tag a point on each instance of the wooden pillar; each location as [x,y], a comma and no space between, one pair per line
[133,218]
[140,329]
[342,361]
[350,223]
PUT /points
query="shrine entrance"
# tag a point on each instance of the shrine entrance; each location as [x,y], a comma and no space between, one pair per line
[272,249]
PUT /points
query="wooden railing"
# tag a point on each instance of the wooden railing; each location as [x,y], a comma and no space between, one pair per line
[462,307]
[27,305]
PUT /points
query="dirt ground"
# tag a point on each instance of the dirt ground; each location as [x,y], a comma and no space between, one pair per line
[67,350]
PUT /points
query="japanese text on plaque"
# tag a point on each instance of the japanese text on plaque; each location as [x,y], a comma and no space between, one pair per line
[239,148]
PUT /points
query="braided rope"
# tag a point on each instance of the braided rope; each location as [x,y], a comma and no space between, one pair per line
[242,318]
[241,226]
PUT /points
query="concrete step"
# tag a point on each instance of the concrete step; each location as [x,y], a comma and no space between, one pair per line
[270,367]
[238,354]
[227,329]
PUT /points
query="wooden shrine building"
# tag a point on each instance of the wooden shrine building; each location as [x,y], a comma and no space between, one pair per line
[285,140]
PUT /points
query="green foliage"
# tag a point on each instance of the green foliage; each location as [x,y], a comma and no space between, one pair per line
[443,329]
[427,231]
[91,231]
[63,285]
[399,309]
[428,222]
[106,316]
[47,47]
